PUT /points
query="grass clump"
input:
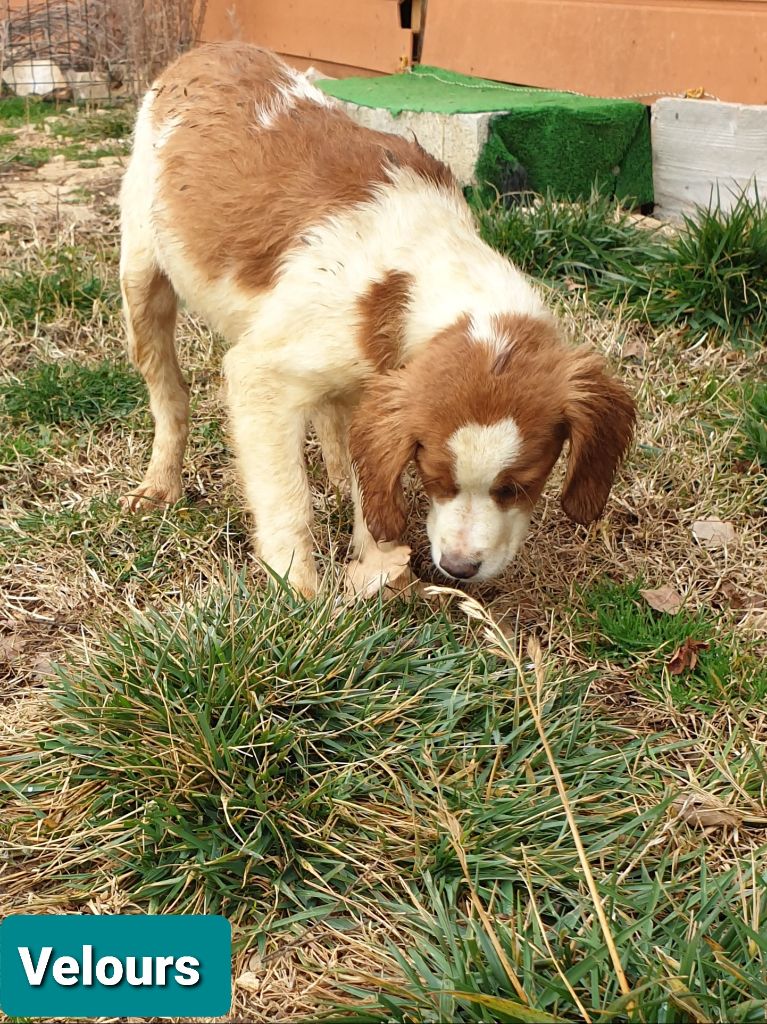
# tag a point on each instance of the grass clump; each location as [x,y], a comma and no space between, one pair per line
[85,126]
[709,277]
[571,243]
[622,627]
[33,156]
[456,968]
[753,424]
[68,392]
[289,763]
[30,445]
[65,282]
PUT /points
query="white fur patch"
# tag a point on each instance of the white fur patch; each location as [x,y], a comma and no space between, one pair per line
[286,95]
[411,226]
[481,452]
[484,332]
[166,130]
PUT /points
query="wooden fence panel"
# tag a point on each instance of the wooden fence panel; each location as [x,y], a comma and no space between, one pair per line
[356,33]
[606,47]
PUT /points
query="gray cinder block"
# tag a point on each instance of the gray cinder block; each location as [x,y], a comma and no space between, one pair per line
[701,145]
[456,139]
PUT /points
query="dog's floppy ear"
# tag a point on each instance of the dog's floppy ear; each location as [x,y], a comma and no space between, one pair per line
[381,443]
[600,415]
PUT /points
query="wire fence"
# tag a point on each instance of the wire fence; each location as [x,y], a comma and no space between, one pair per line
[92,50]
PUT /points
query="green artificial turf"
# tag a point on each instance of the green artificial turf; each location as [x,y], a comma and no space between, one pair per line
[565,143]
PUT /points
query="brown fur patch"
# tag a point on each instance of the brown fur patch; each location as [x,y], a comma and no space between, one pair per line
[238,195]
[553,392]
[383,308]
[600,415]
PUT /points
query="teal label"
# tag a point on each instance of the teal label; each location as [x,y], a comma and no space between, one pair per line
[120,965]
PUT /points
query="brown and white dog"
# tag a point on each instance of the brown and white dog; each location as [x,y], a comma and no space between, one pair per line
[344,267]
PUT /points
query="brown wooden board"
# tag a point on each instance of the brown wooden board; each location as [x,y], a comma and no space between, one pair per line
[356,33]
[606,47]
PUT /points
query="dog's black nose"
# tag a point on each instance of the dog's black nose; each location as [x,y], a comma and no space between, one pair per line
[459,568]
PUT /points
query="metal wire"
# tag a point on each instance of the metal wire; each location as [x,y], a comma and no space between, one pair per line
[92,48]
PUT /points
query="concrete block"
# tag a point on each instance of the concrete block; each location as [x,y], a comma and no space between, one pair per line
[456,139]
[34,78]
[701,145]
[90,86]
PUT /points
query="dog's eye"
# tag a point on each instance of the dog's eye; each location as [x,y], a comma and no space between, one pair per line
[506,492]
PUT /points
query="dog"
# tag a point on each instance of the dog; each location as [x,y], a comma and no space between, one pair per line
[345,268]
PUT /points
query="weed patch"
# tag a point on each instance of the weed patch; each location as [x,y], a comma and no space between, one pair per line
[16,111]
[66,281]
[626,630]
[68,392]
[33,156]
[29,445]
[114,123]
[709,277]
[572,244]
[753,425]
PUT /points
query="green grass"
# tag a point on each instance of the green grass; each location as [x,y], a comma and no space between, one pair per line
[66,281]
[68,392]
[109,123]
[36,156]
[115,546]
[574,243]
[29,445]
[32,156]
[753,425]
[71,136]
[288,763]
[709,278]
[16,111]
[624,629]
[112,123]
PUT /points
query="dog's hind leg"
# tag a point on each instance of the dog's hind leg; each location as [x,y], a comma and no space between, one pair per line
[331,423]
[150,305]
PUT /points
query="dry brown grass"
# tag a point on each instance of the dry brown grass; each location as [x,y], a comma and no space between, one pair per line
[53,599]
[130,40]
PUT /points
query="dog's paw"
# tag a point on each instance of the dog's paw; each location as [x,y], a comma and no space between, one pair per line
[381,567]
[152,494]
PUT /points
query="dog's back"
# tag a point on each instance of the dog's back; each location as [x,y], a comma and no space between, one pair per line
[235,155]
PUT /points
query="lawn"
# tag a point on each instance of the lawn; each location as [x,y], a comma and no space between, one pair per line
[543,799]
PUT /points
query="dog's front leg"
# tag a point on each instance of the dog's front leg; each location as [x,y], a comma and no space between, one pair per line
[269,426]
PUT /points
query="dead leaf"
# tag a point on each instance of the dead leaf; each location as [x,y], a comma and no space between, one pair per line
[382,567]
[43,667]
[704,810]
[714,533]
[664,599]
[11,648]
[249,981]
[734,597]
[737,598]
[685,658]
[635,348]
[749,466]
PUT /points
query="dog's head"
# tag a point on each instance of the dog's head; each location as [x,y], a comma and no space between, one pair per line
[485,419]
